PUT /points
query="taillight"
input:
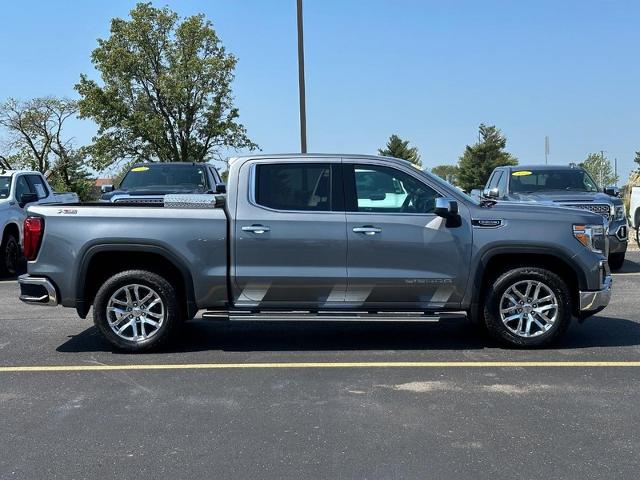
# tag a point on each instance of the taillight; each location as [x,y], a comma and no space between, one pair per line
[33,231]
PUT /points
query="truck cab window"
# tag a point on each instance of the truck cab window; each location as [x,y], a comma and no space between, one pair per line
[5,187]
[294,186]
[37,185]
[387,190]
[22,187]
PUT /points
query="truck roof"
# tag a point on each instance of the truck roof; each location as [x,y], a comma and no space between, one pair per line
[8,173]
[313,155]
[145,164]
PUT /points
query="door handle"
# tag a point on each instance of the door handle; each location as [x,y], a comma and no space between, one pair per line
[367,230]
[256,229]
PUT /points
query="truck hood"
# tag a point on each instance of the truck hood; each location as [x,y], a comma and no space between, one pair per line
[563,197]
[519,210]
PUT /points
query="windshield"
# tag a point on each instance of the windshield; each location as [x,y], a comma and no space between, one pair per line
[451,187]
[5,187]
[187,177]
[533,181]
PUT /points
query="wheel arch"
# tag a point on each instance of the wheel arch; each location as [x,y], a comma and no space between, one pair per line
[12,228]
[111,258]
[495,261]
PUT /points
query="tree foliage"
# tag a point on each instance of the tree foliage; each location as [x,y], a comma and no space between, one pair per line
[398,148]
[165,93]
[636,159]
[35,139]
[600,168]
[478,160]
[446,172]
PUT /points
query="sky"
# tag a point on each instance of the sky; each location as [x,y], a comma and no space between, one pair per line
[429,71]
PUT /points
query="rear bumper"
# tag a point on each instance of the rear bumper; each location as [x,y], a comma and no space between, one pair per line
[37,291]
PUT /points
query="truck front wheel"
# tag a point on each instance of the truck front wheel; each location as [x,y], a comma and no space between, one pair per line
[527,307]
[137,310]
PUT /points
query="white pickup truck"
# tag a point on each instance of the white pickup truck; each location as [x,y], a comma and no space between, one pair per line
[634,211]
[17,190]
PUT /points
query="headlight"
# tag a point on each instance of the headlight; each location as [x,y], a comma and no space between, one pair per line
[620,213]
[591,236]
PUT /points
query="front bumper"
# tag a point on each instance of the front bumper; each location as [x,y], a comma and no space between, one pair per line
[37,291]
[593,301]
[618,239]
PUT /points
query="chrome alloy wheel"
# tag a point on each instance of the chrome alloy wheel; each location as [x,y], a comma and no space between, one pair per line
[528,308]
[135,312]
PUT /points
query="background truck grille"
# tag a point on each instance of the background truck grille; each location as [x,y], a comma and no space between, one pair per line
[601,208]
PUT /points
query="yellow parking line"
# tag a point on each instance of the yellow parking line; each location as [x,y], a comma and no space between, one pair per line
[285,365]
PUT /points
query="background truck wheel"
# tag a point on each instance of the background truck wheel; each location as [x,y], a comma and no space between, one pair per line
[137,311]
[616,260]
[9,255]
[527,307]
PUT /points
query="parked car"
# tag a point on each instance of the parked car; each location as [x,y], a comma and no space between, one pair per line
[149,182]
[569,186]
[17,190]
[309,238]
[634,211]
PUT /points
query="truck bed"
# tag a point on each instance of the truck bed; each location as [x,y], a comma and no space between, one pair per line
[193,237]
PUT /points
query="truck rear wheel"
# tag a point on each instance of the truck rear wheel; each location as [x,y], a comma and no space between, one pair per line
[527,307]
[137,310]
[9,255]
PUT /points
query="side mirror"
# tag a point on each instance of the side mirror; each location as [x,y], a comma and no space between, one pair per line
[106,188]
[612,191]
[445,207]
[221,188]
[491,193]
[26,198]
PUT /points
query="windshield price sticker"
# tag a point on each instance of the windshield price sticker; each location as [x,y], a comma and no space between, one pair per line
[522,173]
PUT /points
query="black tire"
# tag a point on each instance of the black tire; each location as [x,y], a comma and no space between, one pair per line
[9,255]
[165,291]
[499,286]
[616,260]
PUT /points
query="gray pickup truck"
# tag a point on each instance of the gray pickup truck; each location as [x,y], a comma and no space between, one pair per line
[564,186]
[319,237]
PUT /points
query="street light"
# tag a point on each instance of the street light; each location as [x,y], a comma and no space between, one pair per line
[303,107]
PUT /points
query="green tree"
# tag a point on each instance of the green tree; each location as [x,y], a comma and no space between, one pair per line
[637,159]
[398,148]
[446,172]
[600,168]
[36,140]
[478,160]
[165,93]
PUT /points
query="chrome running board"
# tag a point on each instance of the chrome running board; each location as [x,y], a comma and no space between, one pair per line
[325,316]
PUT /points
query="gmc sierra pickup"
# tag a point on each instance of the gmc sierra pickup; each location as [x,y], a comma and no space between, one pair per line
[565,186]
[319,237]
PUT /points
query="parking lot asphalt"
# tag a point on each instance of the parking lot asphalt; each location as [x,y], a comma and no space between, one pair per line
[309,400]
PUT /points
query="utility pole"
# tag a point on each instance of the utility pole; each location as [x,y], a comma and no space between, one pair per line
[546,150]
[303,107]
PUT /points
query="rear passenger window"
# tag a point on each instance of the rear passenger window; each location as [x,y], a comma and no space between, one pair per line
[37,185]
[294,186]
